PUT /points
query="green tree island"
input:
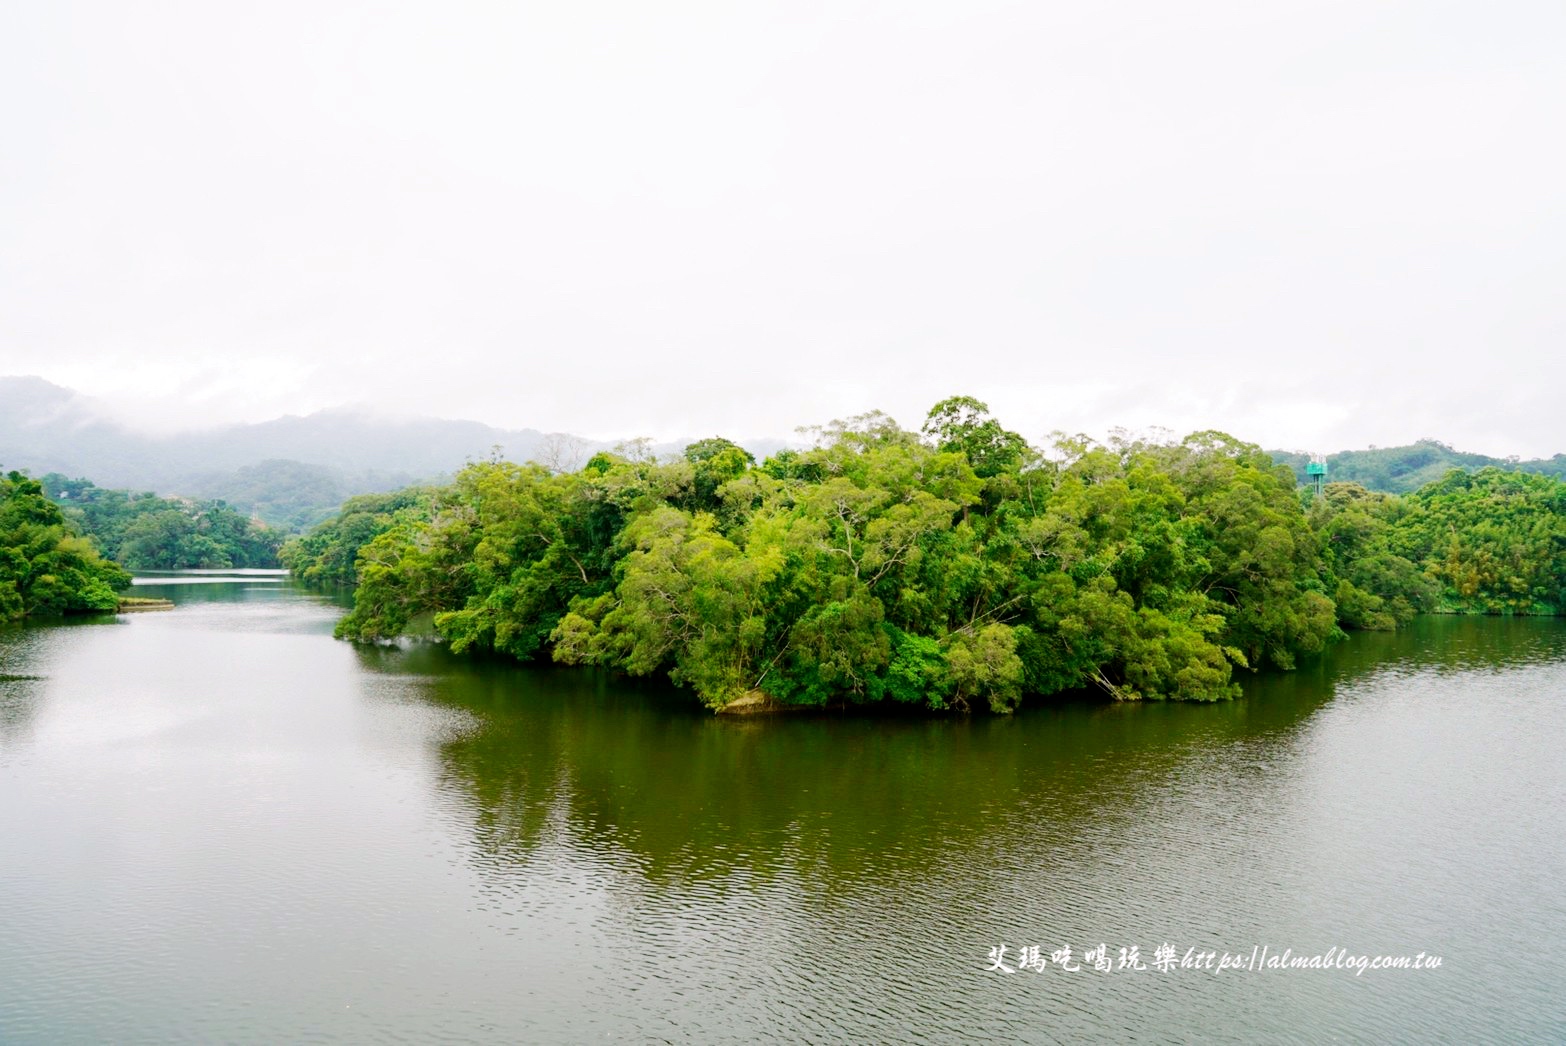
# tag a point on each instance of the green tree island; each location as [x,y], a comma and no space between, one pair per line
[953,568]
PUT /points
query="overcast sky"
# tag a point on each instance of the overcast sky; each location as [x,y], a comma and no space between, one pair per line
[1316,225]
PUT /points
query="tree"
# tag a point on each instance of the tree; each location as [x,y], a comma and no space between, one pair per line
[963,424]
[716,461]
[46,568]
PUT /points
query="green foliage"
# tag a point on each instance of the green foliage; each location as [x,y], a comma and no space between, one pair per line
[327,554]
[1493,541]
[1401,470]
[1262,559]
[688,599]
[146,532]
[45,567]
[1373,586]
[964,425]
[497,557]
[1487,542]
[714,462]
[916,672]
[963,570]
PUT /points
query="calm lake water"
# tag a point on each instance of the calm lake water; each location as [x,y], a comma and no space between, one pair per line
[218,824]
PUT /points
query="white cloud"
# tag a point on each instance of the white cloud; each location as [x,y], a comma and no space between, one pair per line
[1312,224]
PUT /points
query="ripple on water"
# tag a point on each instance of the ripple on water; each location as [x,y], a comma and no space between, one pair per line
[238,829]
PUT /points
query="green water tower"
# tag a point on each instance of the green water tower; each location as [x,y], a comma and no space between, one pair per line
[1316,471]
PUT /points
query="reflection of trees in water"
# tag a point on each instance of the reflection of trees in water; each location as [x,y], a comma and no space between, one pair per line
[19,696]
[688,796]
[229,589]
[24,656]
[1455,643]
[636,772]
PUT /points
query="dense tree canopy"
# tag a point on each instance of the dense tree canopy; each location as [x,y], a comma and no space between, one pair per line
[45,566]
[1372,583]
[328,553]
[145,532]
[954,568]
[1493,541]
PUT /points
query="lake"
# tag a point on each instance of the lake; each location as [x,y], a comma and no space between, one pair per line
[218,823]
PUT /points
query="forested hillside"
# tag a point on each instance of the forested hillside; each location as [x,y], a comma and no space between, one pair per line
[1399,470]
[145,532]
[289,495]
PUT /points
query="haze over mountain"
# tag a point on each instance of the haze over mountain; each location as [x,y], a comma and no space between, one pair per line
[47,428]
[290,470]
[294,471]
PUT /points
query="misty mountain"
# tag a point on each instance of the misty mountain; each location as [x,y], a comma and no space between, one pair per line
[291,471]
[290,494]
[47,428]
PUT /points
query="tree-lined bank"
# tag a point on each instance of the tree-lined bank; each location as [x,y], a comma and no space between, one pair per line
[65,544]
[46,566]
[142,531]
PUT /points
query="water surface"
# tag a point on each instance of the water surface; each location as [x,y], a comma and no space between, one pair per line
[217,823]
